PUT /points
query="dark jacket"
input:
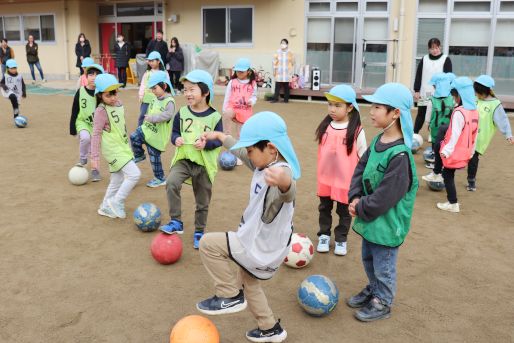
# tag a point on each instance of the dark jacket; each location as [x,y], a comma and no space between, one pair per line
[176,60]
[122,54]
[161,47]
[9,53]
[32,53]
[84,51]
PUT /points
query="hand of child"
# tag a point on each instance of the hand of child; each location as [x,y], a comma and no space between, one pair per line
[416,96]
[179,141]
[353,206]
[443,155]
[510,140]
[200,143]
[213,135]
[146,118]
[277,176]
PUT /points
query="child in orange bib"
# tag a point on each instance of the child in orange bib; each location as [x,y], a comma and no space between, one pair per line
[341,142]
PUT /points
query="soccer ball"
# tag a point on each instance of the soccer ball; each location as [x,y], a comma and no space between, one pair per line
[301,251]
[227,160]
[20,121]
[166,249]
[417,142]
[428,155]
[318,295]
[194,329]
[78,175]
[435,186]
[147,217]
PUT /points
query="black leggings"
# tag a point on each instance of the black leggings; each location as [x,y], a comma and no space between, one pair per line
[122,75]
[473,167]
[14,101]
[279,85]
[420,118]
[175,79]
[325,219]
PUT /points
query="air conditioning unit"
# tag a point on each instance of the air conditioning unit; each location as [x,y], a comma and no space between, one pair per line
[316,80]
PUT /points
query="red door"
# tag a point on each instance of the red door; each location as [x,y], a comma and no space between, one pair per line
[107,41]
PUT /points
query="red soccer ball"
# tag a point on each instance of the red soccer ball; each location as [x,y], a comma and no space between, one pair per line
[166,249]
[301,251]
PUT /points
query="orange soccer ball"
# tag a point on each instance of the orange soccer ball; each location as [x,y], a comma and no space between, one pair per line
[194,329]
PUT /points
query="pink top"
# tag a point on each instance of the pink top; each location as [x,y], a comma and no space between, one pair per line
[100,123]
[240,98]
[463,135]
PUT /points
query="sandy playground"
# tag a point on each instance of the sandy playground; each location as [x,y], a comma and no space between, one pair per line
[70,275]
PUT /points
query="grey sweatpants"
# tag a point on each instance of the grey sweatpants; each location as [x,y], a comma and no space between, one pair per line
[202,189]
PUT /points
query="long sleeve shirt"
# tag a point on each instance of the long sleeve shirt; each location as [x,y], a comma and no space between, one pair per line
[166,115]
[75,109]
[393,187]
[457,124]
[228,94]
[501,121]
[100,123]
[175,133]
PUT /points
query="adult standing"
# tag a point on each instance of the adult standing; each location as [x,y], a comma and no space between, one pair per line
[6,53]
[33,58]
[175,59]
[82,50]
[122,52]
[283,69]
[159,45]
[434,62]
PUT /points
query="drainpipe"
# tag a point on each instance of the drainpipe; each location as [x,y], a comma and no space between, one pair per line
[66,63]
[400,41]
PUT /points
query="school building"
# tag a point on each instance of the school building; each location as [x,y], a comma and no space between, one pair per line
[361,42]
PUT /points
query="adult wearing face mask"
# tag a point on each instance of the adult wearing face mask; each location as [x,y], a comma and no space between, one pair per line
[283,69]
[432,63]
[82,50]
[122,52]
[158,44]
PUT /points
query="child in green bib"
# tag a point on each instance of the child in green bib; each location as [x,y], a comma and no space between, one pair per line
[382,194]
[82,112]
[146,96]
[110,135]
[195,160]
[491,116]
[155,132]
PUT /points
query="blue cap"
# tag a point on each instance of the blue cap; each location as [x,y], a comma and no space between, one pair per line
[158,77]
[155,55]
[95,66]
[464,87]
[11,63]
[398,96]
[242,64]
[197,76]
[485,80]
[86,62]
[271,127]
[106,83]
[442,83]
[343,93]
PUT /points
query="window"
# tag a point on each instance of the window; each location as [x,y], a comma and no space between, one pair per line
[469,41]
[319,7]
[135,10]
[12,28]
[31,27]
[40,26]
[47,28]
[432,6]
[106,10]
[503,60]
[228,25]
[376,6]
[472,6]
[507,6]
[375,52]
[347,6]
[318,45]
[429,28]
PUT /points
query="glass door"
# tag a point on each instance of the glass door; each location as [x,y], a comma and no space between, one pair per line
[374,52]
[318,46]
[343,52]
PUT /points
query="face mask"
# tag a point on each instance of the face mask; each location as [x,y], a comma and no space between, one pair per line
[283,46]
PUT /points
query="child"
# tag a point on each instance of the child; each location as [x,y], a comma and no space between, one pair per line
[156,129]
[12,86]
[146,96]
[442,106]
[491,116]
[382,195]
[341,142]
[83,81]
[455,143]
[195,160]
[82,112]
[110,132]
[261,242]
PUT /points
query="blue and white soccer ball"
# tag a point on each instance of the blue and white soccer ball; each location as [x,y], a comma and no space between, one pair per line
[435,186]
[20,121]
[417,142]
[428,155]
[318,295]
[147,217]
[227,160]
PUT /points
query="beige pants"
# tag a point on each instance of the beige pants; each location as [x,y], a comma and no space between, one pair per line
[228,281]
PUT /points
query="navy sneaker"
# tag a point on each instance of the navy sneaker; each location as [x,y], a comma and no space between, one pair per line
[361,299]
[196,239]
[374,310]
[275,334]
[216,305]
[174,226]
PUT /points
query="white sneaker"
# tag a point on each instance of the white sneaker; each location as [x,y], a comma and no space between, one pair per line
[117,208]
[239,162]
[323,243]
[429,138]
[432,177]
[446,206]
[340,248]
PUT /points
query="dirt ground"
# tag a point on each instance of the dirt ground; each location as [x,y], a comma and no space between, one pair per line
[70,275]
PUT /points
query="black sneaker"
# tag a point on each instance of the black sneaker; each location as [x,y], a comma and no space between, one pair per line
[360,300]
[472,186]
[374,310]
[273,101]
[275,334]
[215,305]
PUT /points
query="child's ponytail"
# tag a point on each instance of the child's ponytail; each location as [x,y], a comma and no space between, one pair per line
[353,130]
[322,128]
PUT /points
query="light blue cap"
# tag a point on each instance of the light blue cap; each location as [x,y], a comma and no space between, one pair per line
[158,77]
[198,75]
[86,62]
[106,83]
[11,63]
[442,83]
[95,66]
[271,127]
[464,87]
[343,93]
[485,80]
[398,96]
[155,55]
[242,64]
